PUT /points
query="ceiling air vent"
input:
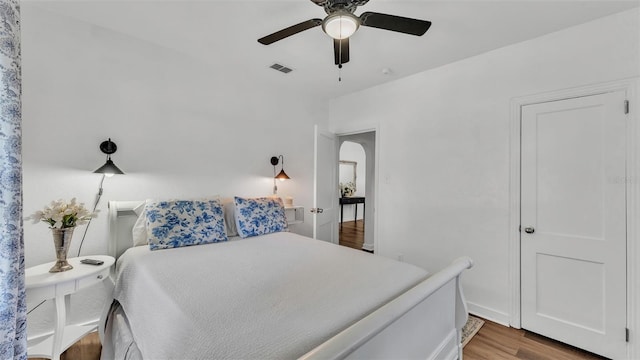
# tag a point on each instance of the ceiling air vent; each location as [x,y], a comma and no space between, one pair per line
[281,68]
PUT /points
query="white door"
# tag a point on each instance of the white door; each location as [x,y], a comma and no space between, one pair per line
[325,187]
[573,217]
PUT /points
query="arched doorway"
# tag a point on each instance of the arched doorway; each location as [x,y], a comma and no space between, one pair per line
[357,179]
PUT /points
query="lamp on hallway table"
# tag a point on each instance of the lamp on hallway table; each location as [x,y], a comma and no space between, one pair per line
[282,176]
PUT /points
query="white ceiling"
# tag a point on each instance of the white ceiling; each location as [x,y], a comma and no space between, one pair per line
[223,34]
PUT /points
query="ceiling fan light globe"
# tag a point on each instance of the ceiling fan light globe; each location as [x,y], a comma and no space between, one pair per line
[340,25]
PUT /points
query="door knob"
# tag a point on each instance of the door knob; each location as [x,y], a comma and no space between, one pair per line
[317,210]
[529,230]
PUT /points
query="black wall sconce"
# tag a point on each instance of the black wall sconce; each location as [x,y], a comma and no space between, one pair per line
[109,168]
[282,176]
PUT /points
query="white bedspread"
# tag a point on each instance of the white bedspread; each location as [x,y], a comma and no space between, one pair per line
[274,296]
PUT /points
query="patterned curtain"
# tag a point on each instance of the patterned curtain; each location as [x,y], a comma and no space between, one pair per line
[13,317]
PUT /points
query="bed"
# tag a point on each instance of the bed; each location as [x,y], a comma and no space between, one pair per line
[275,296]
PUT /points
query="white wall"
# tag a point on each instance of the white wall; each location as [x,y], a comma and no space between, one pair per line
[444,146]
[182,130]
[351,151]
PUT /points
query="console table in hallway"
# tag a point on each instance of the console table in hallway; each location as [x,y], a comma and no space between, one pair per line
[352,200]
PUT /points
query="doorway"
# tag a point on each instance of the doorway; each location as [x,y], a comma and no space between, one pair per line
[356,171]
[573,221]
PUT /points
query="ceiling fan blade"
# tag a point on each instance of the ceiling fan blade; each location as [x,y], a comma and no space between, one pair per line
[395,23]
[341,51]
[291,30]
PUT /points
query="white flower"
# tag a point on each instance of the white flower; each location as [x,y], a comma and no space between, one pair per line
[60,214]
[36,217]
[347,189]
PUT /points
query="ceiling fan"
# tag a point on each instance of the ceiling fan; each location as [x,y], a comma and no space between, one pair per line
[341,23]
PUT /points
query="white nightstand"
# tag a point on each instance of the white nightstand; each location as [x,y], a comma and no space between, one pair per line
[294,214]
[41,285]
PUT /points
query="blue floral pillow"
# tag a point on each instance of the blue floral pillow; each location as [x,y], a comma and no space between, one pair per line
[259,216]
[172,224]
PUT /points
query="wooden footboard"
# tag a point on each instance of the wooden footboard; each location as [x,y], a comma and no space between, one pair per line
[423,323]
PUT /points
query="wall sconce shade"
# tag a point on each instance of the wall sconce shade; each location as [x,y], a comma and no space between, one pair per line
[282,175]
[109,168]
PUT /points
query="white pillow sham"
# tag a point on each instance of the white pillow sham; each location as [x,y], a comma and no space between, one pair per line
[229,209]
[139,230]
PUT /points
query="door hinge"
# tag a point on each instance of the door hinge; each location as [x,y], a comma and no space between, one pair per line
[627,334]
[519,228]
[626,106]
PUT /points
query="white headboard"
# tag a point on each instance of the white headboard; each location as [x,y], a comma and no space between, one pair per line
[121,221]
[122,218]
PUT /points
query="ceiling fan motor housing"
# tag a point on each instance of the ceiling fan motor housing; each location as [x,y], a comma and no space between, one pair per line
[331,6]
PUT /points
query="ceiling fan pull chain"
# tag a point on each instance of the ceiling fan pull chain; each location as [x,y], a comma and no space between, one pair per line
[340,62]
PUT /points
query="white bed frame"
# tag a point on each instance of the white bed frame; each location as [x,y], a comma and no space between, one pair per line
[425,322]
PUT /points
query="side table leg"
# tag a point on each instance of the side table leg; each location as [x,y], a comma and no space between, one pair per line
[355,212]
[61,318]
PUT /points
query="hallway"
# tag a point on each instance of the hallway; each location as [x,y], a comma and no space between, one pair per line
[352,234]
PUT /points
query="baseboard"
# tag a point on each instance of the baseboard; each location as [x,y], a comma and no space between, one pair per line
[488,313]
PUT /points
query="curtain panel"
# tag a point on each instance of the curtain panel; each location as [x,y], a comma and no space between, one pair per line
[13,317]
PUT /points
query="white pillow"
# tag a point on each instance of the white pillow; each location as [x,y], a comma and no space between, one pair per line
[229,208]
[139,231]
[140,208]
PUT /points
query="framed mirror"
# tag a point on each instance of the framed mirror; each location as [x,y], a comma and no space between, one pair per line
[347,176]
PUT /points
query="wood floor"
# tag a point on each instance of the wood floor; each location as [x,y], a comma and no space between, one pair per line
[351,234]
[496,342]
[492,342]
[88,348]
